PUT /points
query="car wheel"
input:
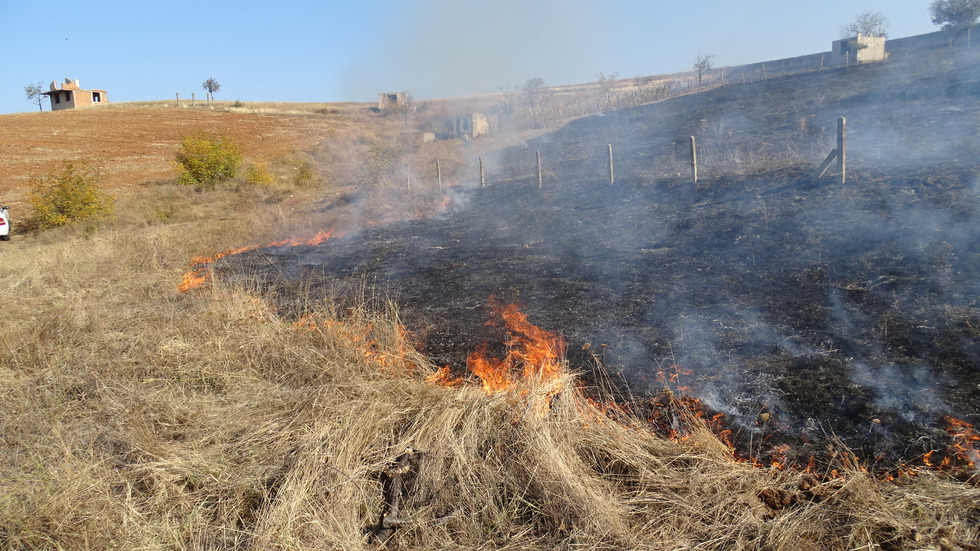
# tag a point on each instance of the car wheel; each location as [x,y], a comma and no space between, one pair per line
[5,237]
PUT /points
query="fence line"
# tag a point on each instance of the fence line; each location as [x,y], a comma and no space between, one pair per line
[540,167]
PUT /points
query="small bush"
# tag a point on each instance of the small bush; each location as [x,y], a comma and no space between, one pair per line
[205,160]
[257,174]
[68,197]
[306,175]
[378,164]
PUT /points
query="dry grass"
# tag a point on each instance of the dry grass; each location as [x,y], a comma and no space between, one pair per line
[135,417]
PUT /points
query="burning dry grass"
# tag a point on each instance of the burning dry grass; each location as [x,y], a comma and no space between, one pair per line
[132,416]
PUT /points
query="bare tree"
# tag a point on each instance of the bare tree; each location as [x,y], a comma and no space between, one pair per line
[702,64]
[532,89]
[606,82]
[35,94]
[211,86]
[869,23]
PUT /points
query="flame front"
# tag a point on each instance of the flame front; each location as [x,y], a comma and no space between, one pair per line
[965,440]
[200,266]
[531,350]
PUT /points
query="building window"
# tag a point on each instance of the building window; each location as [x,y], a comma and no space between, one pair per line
[67,97]
[96,97]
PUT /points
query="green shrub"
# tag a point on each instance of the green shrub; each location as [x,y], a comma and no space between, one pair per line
[306,175]
[257,174]
[68,197]
[205,160]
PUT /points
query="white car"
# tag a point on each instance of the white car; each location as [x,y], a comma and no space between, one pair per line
[4,224]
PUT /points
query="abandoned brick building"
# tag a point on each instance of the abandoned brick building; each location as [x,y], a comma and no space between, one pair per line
[70,96]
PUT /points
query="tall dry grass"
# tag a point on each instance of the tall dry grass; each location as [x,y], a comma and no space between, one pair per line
[136,417]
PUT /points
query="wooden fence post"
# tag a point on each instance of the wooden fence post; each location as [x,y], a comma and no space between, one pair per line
[694,161]
[193,99]
[540,179]
[841,149]
[826,163]
[439,174]
[178,99]
[408,178]
[612,178]
[483,180]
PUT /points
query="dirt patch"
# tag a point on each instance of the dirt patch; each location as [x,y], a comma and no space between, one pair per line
[136,145]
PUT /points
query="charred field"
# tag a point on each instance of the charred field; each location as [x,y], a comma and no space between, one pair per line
[806,310]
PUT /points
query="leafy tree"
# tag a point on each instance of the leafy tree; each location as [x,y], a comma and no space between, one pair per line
[954,14]
[205,160]
[869,23]
[702,64]
[211,86]
[35,94]
[68,197]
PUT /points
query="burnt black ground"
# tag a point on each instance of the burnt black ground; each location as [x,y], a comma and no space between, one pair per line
[844,311]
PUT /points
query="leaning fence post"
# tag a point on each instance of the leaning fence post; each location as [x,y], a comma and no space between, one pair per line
[483,180]
[694,161]
[841,151]
[540,179]
[439,174]
[826,163]
[612,179]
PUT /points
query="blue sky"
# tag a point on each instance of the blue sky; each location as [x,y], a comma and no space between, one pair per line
[323,51]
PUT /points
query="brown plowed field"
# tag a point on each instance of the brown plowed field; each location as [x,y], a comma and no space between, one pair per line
[133,145]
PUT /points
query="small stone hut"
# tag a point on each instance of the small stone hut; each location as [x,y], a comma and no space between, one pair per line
[474,125]
[856,50]
[389,100]
[70,96]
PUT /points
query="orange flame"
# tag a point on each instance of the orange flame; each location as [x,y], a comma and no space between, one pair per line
[200,272]
[533,350]
[965,440]
[443,377]
[778,457]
